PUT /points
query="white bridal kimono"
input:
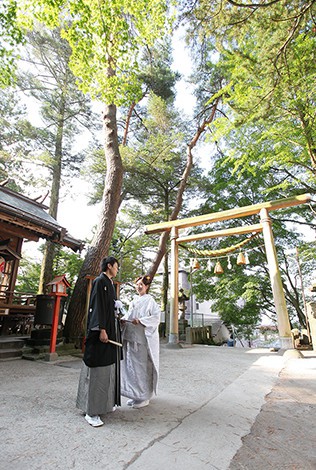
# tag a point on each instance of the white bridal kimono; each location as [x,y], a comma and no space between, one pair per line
[140,364]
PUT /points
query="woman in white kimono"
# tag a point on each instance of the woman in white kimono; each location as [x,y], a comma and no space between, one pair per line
[140,365]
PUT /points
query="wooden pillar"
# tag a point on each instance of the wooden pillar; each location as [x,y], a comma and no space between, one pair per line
[276,282]
[89,288]
[174,288]
[53,336]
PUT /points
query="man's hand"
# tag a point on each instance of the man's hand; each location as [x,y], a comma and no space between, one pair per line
[103,336]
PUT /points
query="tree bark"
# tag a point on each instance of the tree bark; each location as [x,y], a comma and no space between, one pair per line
[76,316]
[127,123]
[165,281]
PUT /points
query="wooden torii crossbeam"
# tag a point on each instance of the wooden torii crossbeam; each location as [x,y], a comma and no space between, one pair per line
[228,214]
[265,226]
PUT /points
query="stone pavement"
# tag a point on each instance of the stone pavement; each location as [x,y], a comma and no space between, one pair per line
[284,433]
[217,408]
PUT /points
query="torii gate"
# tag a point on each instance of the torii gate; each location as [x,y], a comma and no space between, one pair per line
[265,226]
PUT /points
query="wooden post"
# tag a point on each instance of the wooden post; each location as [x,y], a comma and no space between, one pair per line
[89,288]
[85,319]
[276,282]
[303,296]
[53,338]
[174,289]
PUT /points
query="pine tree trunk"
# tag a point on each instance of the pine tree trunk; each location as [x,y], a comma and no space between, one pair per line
[165,285]
[76,316]
[49,251]
[174,215]
[47,267]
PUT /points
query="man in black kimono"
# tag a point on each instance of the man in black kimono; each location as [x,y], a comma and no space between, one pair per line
[99,383]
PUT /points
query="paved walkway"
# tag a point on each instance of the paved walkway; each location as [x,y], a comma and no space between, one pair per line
[217,408]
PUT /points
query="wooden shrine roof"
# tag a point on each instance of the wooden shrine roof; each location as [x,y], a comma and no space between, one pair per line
[26,218]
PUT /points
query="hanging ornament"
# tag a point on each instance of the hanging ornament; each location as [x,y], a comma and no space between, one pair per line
[218,268]
[247,258]
[241,259]
[195,264]
[209,265]
[229,265]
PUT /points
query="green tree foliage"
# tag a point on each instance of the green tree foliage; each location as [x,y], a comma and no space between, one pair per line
[106,38]
[11,37]
[65,112]
[236,298]
[28,276]
[132,248]
[156,73]
[65,262]
[158,89]
[154,164]
[16,138]
[265,54]
[158,78]
[243,294]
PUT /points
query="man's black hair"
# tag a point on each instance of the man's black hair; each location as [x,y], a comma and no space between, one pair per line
[108,260]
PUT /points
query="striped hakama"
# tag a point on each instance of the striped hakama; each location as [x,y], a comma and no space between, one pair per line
[97,389]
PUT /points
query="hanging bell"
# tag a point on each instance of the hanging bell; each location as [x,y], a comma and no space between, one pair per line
[195,264]
[218,268]
[229,265]
[241,258]
[209,265]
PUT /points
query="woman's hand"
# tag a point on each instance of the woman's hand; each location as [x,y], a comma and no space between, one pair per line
[137,321]
[103,336]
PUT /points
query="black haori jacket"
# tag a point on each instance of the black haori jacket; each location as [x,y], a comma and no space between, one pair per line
[101,314]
